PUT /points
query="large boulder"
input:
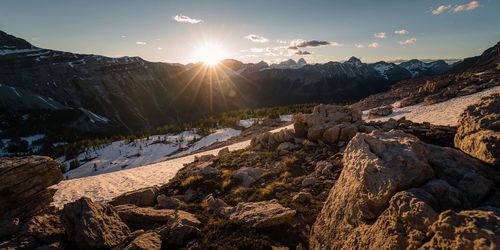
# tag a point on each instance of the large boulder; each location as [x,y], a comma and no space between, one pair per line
[91,225]
[478,131]
[330,123]
[148,217]
[24,189]
[261,214]
[247,175]
[395,192]
[333,114]
[143,197]
[270,140]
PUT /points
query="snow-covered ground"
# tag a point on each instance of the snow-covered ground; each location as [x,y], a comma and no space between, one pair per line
[105,187]
[120,155]
[444,113]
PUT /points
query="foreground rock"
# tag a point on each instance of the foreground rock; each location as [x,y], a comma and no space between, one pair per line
[148,217]
[24,192]
[395,192]
[478,131]
[91,225]
[261,214]
[142,197]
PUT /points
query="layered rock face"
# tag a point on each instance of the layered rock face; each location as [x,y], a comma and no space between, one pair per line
[328,123]
[24,189]
[396,192]
[478,131]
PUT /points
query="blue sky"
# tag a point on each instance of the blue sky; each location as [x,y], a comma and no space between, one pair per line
[460,28]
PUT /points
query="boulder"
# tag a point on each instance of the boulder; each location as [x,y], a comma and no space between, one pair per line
[144,197]
[395,192]
[247,175]
[468,229]
[168,202]
[309,181]
[270,140]
[148,217]
[214,206]
[331,114]
[176,234]
[145,241]
[379,112]
[24,189]
[223,152]
[261,214]
[92,225]
[478,132]
[41,230]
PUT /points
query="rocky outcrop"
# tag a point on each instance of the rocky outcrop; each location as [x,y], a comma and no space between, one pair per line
[142,197]
[148,217]
[478,131]
[328,123]
[90,225]
[24,189]
[379,112]
[270,140]
[261,214]
[396,192]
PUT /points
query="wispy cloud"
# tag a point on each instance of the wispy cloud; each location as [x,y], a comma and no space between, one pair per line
[302,52]
[185,19]
[123,36]
[300,43]
[465,7]
[159,48]
[336,44]
[456,8]
[440,9]
[380,35]
[401,32]
[409,41]
[359,46]
[373,45]
[282,41]
[140,43]
[256,38]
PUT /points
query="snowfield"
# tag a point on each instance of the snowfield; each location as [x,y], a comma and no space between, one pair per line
[444,113]
[120,155]
[105,187]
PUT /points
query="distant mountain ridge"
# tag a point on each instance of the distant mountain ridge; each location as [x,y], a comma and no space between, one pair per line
[93,93]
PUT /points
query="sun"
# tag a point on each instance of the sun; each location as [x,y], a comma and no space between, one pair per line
[210,53]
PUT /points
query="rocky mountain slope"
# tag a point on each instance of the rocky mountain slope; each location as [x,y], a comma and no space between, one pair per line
[47,90]
[331,182]
[469,76]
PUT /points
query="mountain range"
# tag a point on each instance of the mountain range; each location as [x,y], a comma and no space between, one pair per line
[43,89]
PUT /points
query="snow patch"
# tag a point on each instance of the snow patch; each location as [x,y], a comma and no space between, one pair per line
[445,113]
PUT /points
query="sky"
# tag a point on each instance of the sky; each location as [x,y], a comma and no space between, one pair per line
[251,31]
